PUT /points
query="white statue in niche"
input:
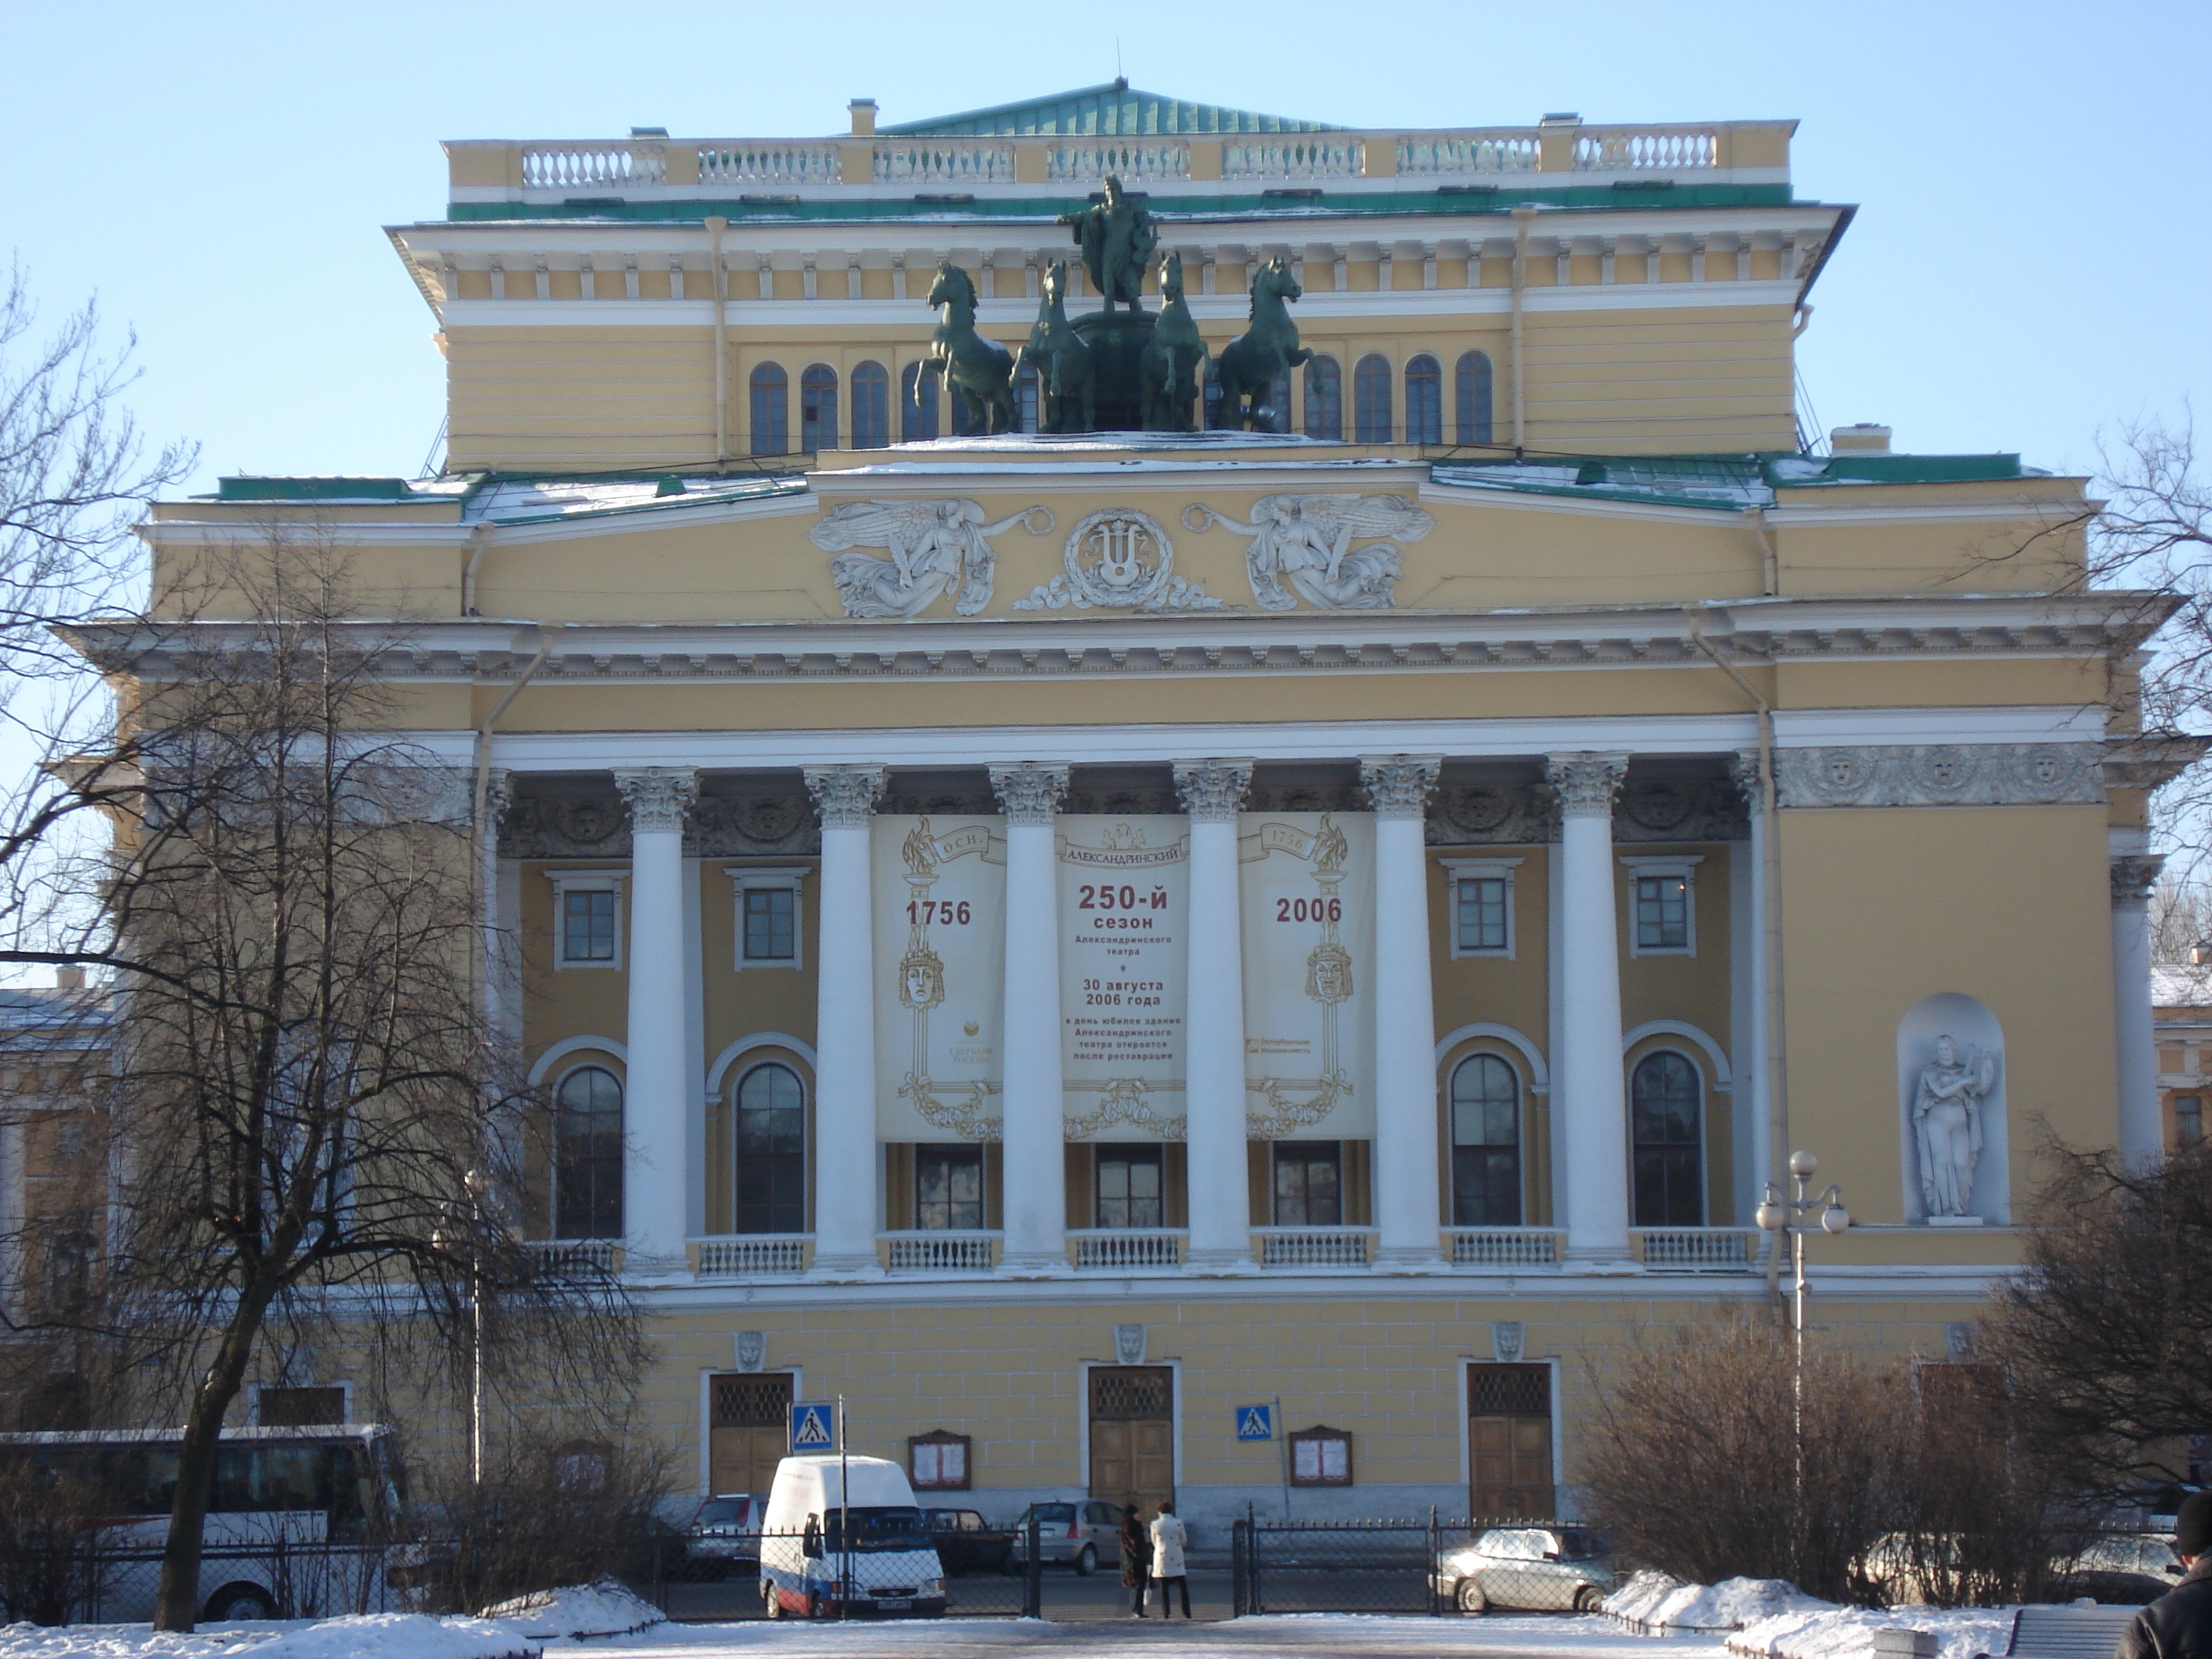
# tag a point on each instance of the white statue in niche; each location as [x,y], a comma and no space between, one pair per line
[1947,1124]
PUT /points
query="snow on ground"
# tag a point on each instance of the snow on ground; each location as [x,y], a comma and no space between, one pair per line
[602,1609]
[1658,1601]
[376,1636]
[1848,1633]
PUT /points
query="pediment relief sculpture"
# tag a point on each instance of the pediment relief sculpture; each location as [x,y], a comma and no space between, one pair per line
[932,548]
[1302,547]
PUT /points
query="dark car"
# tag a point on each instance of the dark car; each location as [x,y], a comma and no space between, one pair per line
[2125,1569]
[967,1543]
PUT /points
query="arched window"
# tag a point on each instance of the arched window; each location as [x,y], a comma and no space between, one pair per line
[1025,395]
[1278,399]
[1485,1140]
[1210,396]
[817,409]
[917,421]
[1668,1130]
[587,1154]
[1324,398]
[1371,399]
[1471,389]
[1424,401]
[771,410]
[770,1182]
[871,412]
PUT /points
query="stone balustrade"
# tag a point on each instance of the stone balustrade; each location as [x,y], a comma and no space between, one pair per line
[647,167]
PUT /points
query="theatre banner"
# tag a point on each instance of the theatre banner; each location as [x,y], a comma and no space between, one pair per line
[939,886]
[1124,947]
[1307,890]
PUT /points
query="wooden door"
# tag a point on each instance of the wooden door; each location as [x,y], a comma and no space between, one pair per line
[748,1431]
[1509,1442]
[1132,1434]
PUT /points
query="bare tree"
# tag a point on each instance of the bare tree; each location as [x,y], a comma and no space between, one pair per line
[2108,1330]
[317,1127]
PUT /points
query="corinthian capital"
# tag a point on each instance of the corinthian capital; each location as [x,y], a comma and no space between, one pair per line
[844,795]
[1587,780]
[659,796]
[1398,786]
[1030,793]
[1213,790]
[2134,874]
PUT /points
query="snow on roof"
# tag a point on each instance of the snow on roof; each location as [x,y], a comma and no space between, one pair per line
[2181,985]
[520,500]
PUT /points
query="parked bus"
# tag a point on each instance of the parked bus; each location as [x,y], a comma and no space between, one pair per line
[301,1522]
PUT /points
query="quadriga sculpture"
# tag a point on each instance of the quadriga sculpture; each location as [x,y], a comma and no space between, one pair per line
[1173,358]
[984,370]
[1066,376]
[1250,364]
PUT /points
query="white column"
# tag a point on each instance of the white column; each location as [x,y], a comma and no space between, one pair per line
[1034,1179]
[2143,1130]
[1589,1105]
[845,1026]
[1408,1200]
[1219,1192]
[656,1098]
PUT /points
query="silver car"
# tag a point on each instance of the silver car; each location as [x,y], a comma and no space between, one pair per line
[1561,1568]
[723,1536]
[1081,1534]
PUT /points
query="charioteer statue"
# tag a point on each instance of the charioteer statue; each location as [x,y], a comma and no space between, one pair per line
[1117,237]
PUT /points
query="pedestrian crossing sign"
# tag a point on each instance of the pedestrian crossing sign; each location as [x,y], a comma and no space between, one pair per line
[1256,1422]
[812,1426]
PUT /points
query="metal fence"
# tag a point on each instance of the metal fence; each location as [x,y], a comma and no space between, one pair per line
[1411,1565]
[808,1575]
[87,1582]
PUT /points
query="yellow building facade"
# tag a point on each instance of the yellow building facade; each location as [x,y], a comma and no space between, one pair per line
[1054,938]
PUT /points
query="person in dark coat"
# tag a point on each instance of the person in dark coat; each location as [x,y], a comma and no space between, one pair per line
[2178,1624]
[1136,1557]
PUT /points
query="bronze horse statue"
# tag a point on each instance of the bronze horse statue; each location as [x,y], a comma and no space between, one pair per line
[1173,358]
[982,370]
[1066,380]
[1250,364]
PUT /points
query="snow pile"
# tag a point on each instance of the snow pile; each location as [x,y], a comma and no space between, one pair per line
[602,1609]
[1848,1633]
[375,1635]
[1658,1602]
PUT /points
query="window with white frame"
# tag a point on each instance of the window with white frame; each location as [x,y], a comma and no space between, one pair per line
[1663,909]
[768,913]
[1481,906]
[586,918]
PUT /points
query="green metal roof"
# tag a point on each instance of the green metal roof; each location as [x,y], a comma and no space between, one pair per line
[1116,110]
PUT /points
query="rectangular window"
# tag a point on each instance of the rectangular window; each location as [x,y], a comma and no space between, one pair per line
[938,1461]
[1129,1187]
[771,924]
[587,925]
[1321,1457]
[948,1187]
[1309,1183]
[1481,913]
[2188,1120]
[1662,913]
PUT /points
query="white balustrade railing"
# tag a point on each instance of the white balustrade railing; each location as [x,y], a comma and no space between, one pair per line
[1627,150]
[1314,1247]
[767,161]
[592,166]
[750,1255]
[1502,1246]
[920,162]
[1128,1247]
[1305,156]
[1127,159]
[1423,154]
[1697,1249]
[941,1252]
[576,1254]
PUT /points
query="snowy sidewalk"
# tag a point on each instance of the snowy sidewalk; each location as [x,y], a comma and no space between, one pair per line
[1319,1634]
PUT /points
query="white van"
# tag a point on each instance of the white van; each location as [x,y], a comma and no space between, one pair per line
[807,1569]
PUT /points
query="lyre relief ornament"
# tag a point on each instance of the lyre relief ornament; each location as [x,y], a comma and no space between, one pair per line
[1118,559]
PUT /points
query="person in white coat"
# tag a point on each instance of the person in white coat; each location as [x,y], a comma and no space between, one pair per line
[1168,1540]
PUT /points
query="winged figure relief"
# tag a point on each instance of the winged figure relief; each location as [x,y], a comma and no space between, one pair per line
[930,548]
[1301,545]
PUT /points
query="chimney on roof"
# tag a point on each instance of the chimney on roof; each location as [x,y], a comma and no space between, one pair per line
[1862,439]
[69,978]
[864,117]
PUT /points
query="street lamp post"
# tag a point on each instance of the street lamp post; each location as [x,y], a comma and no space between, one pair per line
[1778,1214]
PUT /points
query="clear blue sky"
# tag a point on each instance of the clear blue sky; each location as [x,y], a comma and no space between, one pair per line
[2029,264]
